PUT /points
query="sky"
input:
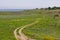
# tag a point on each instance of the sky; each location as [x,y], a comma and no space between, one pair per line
[28,4]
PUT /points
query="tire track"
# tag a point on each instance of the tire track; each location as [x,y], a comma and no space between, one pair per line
[21,35]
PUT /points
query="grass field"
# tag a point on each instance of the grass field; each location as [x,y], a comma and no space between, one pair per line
[47,27]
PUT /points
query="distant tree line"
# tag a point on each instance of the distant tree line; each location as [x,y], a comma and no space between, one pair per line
[53,8]
[49,8]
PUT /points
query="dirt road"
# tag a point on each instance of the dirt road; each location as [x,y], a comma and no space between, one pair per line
[21,35]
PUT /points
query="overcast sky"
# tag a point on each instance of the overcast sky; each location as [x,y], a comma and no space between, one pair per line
[27,4]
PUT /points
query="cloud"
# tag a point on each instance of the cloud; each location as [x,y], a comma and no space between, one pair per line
[28,3]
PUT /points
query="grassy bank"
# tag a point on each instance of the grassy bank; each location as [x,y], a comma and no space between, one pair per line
[48,25]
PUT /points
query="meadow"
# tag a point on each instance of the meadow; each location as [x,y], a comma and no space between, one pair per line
[47,27]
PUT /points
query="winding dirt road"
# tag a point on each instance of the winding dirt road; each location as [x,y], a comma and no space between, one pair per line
[21,35]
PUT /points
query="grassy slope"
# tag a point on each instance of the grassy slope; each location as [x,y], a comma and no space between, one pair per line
[7,27]
[9,22]
[48,26]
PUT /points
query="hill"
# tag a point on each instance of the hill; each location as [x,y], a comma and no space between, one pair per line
[46,29]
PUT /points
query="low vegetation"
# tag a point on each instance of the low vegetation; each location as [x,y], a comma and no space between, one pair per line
[46,29]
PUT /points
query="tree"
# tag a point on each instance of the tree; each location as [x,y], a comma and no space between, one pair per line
[49,8]
[54,7]
[37,8]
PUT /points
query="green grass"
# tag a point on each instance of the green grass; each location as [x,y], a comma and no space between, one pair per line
[8,25]
[47,25]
